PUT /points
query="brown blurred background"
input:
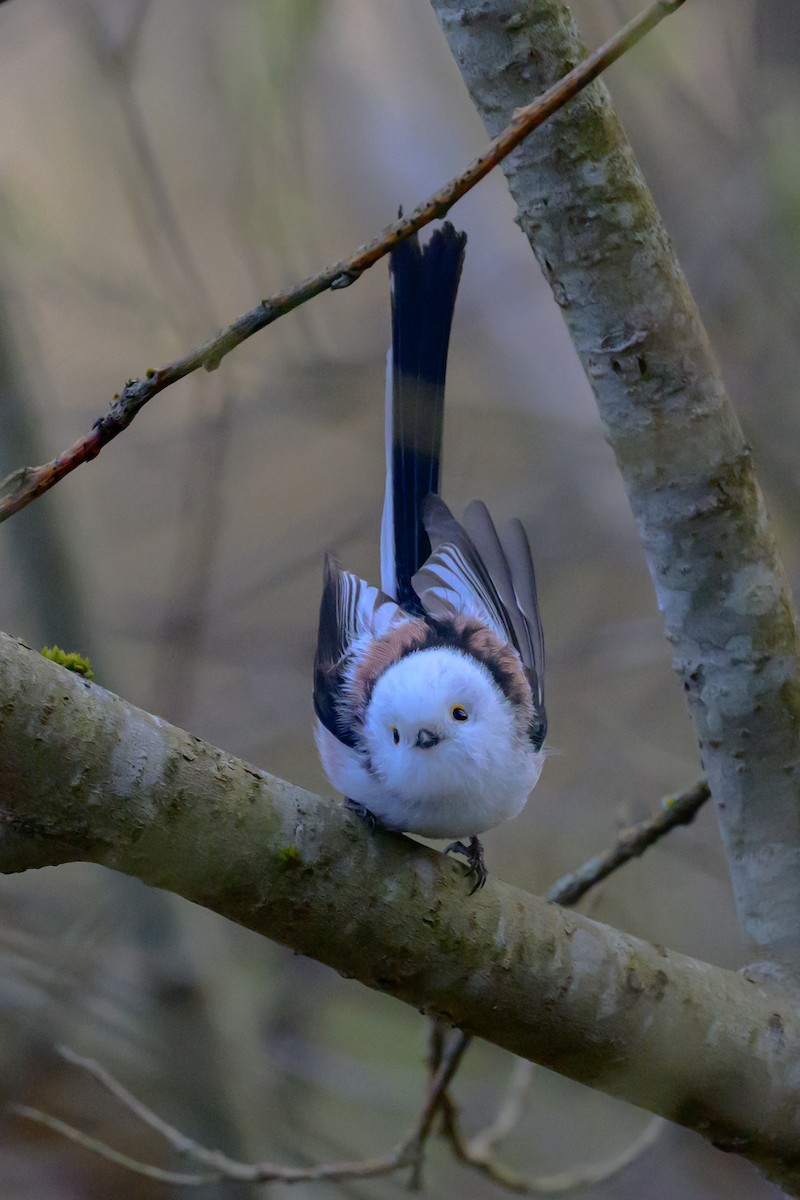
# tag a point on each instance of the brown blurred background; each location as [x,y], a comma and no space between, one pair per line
[163,165]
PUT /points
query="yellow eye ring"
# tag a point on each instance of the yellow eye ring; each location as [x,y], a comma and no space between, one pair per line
[395,736]
[458,713]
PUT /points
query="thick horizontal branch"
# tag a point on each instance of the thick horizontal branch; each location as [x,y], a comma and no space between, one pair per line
[85,776]
[28,483]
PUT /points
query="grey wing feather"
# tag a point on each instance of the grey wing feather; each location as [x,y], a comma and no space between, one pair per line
[523,577]
[455,580]
[510,565]
[471,572]
[349,609]
[480,527]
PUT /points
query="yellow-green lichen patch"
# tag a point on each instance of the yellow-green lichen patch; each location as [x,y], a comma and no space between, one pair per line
[70,660]
[288,858]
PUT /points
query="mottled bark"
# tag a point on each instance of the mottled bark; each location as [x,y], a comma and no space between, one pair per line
[720,585]
[85,776]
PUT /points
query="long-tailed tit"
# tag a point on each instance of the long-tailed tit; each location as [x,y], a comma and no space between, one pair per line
[429,691]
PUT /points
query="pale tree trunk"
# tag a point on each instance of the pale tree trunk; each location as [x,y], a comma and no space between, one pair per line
[720,584]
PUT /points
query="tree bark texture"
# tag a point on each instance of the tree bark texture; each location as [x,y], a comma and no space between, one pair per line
[688,472]
[85,776]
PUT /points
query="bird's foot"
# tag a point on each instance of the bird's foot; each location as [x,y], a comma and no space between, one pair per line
[363,812]
[475,861]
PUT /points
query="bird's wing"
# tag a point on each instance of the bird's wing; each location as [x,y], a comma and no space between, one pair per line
[510,566]
[471,573]
[350,610]
[523,576]
[424,285]
[455,580]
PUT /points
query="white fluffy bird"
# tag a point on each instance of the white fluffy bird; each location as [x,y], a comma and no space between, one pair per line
[429,691]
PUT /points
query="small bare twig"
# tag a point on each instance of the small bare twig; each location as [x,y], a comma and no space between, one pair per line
[108,1152]
[509,1113]
[405,1153]
[28,483]
[674,810]
[476,1155]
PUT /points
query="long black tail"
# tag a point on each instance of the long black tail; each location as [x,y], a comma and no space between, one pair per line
[424,286]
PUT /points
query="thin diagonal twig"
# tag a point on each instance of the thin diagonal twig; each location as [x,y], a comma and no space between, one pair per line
[108,1152]
[673,810]
[27,483]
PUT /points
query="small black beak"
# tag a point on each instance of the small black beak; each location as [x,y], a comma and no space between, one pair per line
[427,738]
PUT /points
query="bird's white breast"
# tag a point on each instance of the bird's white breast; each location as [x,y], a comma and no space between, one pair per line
[480,773]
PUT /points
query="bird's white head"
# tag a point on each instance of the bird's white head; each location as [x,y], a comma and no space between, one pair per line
[438,728]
